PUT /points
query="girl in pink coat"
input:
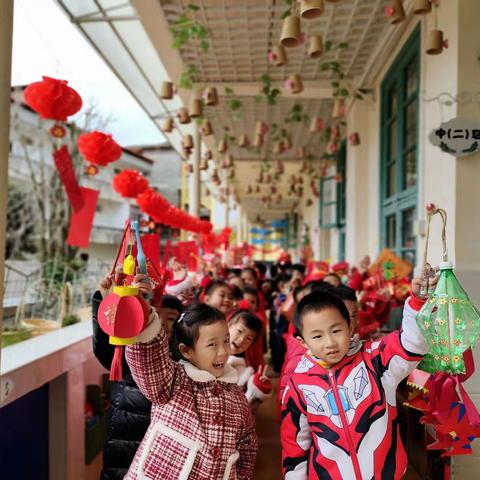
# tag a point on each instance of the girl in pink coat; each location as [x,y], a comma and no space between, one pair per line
[201,425]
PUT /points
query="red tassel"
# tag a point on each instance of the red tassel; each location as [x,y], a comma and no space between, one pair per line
[116,373]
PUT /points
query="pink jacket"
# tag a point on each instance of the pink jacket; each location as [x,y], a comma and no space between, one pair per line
[201,427]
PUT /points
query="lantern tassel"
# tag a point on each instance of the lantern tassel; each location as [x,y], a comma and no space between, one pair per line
[116,373]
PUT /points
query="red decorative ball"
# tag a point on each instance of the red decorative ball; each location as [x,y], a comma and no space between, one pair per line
[52,98]
[430,207]
[130,183]
[58,131]
[99,148]
[153,204]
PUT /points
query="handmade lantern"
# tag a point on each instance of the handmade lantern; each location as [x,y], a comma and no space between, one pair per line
[99,148]
[315,47]
[122,314]
[311,9]
[53,99]
[166,90]
[291,35]
[129,183]
[449,321]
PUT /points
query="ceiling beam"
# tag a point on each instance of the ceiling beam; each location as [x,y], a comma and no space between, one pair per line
[318,89]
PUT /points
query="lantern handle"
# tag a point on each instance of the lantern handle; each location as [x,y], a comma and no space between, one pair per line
[431,211]
[122,247]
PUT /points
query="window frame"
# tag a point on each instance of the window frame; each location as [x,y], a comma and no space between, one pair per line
[403,198]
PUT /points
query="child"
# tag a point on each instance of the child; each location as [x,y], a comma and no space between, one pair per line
[244,328]
[202,426]
[249,277]
[338,407]
[219,295]
[251,295]
[168,309]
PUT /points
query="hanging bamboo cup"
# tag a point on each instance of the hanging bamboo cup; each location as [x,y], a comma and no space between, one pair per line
[243,141]
[338,108]
[290,31]
[228,160]
[315,48]
[296,83]
[260,128]
[398,14]
[222,146]
[211,97]
[277,148]
[187,141]
[166,91]
[208,155]
[316,125]
[286,143]
[420,7]
[301,152]
[207,128]
[203,164]
[189,168]
[183,116]
[311,9]
[435,42]
[280,56]
[258,140]
[195,109]
[167,126]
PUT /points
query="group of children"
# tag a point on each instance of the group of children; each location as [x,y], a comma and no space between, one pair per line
[201,365]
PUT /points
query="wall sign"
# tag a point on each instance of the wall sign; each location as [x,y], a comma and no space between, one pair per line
[458,136]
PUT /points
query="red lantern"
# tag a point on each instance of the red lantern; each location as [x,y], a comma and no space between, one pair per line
[91,170]
[53,99]
[130,183]
[153,204]
[99,148]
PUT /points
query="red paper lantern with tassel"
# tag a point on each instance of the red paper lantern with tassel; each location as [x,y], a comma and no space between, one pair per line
[130,183]
[153,204]
[53,99]
[99,148]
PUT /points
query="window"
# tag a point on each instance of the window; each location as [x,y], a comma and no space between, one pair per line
[328,199]
[399,152]
[341,199]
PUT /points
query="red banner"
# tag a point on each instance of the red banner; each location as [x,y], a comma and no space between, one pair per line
[64,165]
[82,220]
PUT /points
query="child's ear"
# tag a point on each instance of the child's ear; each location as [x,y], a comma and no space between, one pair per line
[185,351]
[351,328]
[302,341]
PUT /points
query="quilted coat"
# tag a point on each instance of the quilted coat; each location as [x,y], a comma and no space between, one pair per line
[201,426]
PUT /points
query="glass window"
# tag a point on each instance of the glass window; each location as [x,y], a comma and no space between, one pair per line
[393,102]
[410,171]
[411,124]
[412,78]
[328,202]
[391,179]
[391,239]
[392,141]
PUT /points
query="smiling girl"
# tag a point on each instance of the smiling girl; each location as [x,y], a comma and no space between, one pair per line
[201,423]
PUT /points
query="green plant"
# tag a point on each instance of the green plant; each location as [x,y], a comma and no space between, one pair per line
[234,104]
[288,11]
[296,114]
[268,91]
[187,78]
[187,29]
[70,320]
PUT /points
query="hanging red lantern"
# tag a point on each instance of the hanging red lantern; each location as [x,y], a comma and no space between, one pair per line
[53,99]
[130,183]
[91,170]
[99,148]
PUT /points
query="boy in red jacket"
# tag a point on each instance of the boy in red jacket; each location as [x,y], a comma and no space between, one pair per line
[339,416]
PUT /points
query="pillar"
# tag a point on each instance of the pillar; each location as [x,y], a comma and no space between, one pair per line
[194,190]
[6,31]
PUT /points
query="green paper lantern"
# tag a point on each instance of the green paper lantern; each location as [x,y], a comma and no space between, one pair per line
[450,324]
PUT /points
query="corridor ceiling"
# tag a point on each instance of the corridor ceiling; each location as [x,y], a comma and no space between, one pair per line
[134,38]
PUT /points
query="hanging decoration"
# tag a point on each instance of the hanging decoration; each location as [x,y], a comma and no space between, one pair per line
[396,12]
[129,183]
[81,221]
[243,141]
[315,47]
[211,96]
[291,34]
[195,110]
[311,9]
[167,125]
[278,56]
[294,83]
[435,40]
[99,148]
[183,116]
[421,7]
[354,139]
[153,204]
[64,166]
[206,128]
[166,90]
[317,125]
[53,99]
[459,137]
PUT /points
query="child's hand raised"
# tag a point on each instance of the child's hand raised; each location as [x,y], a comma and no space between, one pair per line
[262,374]
[106,285]
[144,284]
[422,286]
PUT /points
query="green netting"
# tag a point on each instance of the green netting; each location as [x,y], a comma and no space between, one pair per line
[450,324]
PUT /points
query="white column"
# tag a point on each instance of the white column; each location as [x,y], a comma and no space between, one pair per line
[194,194]
[6,29]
